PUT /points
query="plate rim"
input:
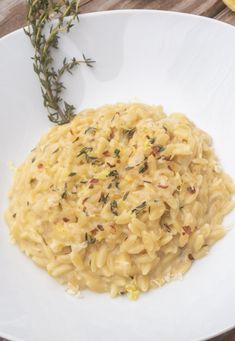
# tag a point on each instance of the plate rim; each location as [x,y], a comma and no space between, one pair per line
[128,12]
[136,10]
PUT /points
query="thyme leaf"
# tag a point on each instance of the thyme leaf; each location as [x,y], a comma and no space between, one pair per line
[143,168]
[138,209]
[103,198]
[114,207]
[89,238]
[117,153]
[85,151]
[128,133]
[72,174]
[90,130]
[125,196]
[114,173]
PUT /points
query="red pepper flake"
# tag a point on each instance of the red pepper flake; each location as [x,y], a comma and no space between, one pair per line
[155,150]
[106,153]
[94,231]
[109,164]
[162,186]
[94,181]
[111,135]
[167,158]
[100,227]
[113,229]
[143,252]
[66,220]
[167,227]
[40,166]
[190,256]
[66,250]
[191,189]
[187,229]
[84,200]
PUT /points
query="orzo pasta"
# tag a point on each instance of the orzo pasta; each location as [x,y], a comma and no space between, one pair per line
[120,200]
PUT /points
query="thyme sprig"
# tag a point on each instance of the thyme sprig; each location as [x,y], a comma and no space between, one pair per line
[39,14]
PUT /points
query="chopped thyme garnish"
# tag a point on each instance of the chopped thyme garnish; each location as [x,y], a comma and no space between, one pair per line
[100,227]
[113,173]
[65,193]
[72,174]
[111,166]
[84,200]
[103,198]
[129,168]
[85,151]
[128,133]
[114,207]
[55,151]
[125,196]
[89,238]
[143,168]
[116,113]
[139,208]
[151,139]
[77,138]
[33,181]
[117,153]
[117,183]
[90,130]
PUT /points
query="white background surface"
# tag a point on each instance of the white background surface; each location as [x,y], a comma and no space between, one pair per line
[184,62]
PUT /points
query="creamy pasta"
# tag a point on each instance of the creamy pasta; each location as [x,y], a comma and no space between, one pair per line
[121,200]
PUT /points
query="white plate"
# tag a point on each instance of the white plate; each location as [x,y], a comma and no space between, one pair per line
[184,62]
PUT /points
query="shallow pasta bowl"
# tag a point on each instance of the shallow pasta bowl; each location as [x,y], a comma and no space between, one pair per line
[183,62]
